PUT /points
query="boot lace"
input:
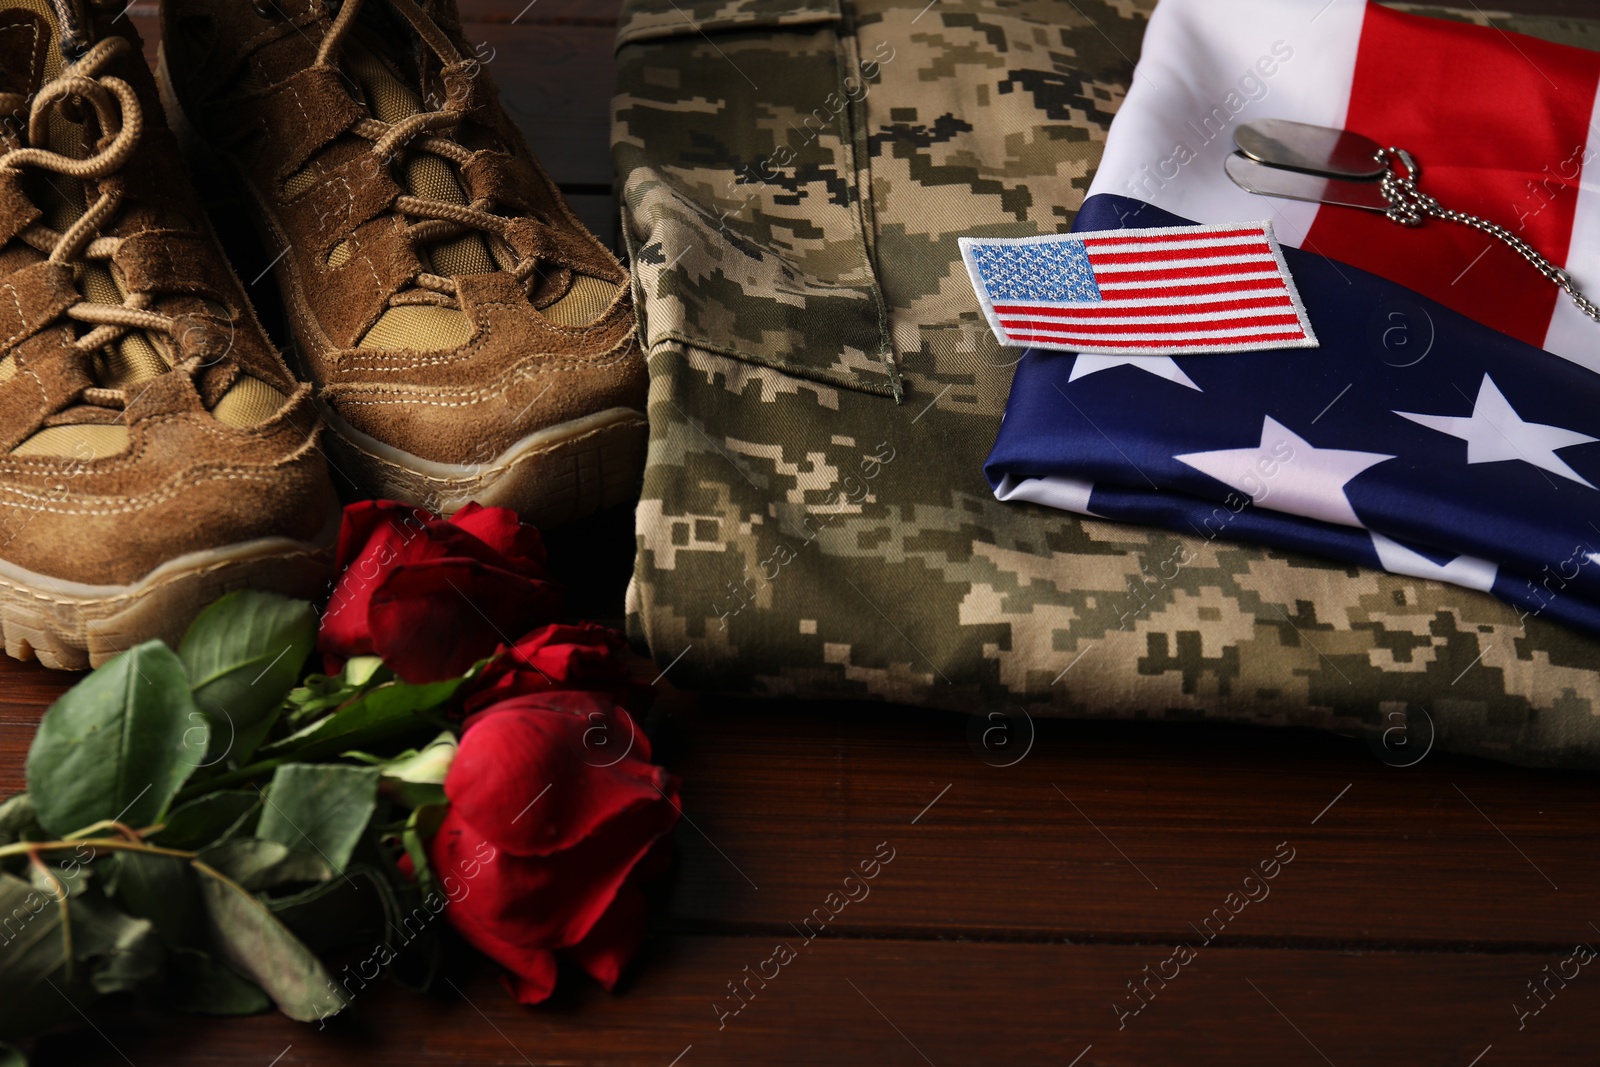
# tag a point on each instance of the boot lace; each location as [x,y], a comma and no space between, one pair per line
[121,122]
[435,221]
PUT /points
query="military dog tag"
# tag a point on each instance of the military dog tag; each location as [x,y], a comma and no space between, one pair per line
[1298,161]
[1256,177]
[1313,149]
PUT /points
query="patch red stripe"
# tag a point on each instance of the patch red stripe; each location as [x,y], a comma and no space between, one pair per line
[1154,255]
[1162,274]
[1172,344]
[1204,288]
[1132,308]
[1090,329]
[1134,237]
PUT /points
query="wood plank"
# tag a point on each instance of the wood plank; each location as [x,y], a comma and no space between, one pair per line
[557,12]
[556,84]
[926,1002]
[1120,830]
[1106,831]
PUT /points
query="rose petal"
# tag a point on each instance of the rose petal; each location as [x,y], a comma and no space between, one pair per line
[464,863]
[433,620]
[580,755]
[510,906]
[585,656]
[533,988]
[614,940]
[381,536]
[501,530]
[363,517]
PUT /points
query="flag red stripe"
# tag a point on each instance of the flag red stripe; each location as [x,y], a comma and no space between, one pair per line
[1112,309]
[1498,122]
[1089,329]
[1134,237]
[1155,255]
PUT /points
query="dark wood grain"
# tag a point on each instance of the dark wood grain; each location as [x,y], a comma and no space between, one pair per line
[1117,831]
[947,1003]
[556,84]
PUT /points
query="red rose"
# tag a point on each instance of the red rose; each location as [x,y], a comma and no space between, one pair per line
[584,656]
[433,597]
[556,813]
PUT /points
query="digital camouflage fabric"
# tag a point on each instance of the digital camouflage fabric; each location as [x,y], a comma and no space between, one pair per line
[815,521]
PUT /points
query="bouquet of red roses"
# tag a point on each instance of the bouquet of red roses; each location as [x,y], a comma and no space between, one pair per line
[207,827]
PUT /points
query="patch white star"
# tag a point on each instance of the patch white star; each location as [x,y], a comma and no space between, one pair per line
[1495,433]
[1470,571]
[1285,472]
[1160,366]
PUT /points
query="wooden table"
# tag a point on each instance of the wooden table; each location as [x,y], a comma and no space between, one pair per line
[1023,903]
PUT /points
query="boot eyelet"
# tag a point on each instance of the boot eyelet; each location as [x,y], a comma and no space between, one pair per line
[268,9]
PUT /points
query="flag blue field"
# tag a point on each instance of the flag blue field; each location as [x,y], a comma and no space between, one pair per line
[1413,439]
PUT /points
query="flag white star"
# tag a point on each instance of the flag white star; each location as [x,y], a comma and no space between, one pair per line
[1160,366]
[1285,472]
[1494,433]
[1470,571]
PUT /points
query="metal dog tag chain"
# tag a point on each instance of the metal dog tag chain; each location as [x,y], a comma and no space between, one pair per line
[1409,205]
[1298,161]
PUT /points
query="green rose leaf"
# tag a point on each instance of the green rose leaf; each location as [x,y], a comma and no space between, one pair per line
[253,942]
[319,808]
[112,952]
[11,1056]
[206,987]
[342,912]
[415,777]
[35,955]
[260,865]
[18,820]
[420,829]
[391,710]
[209,819]
[162,890]
[427,766]
[121,953]
[243,655]
[321,693]
[118,745]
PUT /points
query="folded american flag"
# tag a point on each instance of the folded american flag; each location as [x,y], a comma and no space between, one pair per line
[1115,292]
[1448,424]
[1413,439]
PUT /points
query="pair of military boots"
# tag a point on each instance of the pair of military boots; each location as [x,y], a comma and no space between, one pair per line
[454,334]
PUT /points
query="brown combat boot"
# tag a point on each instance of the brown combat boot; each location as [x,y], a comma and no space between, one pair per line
[467,338]
[154,450]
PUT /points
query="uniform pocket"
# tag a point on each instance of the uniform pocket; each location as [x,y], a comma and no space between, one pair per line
[735,131]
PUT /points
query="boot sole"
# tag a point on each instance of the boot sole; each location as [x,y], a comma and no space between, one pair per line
[74,626]
[552,476]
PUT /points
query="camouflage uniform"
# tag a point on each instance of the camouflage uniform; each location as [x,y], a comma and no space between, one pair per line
[815,521]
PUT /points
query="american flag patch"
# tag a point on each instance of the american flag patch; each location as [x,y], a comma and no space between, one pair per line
[1164,291]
